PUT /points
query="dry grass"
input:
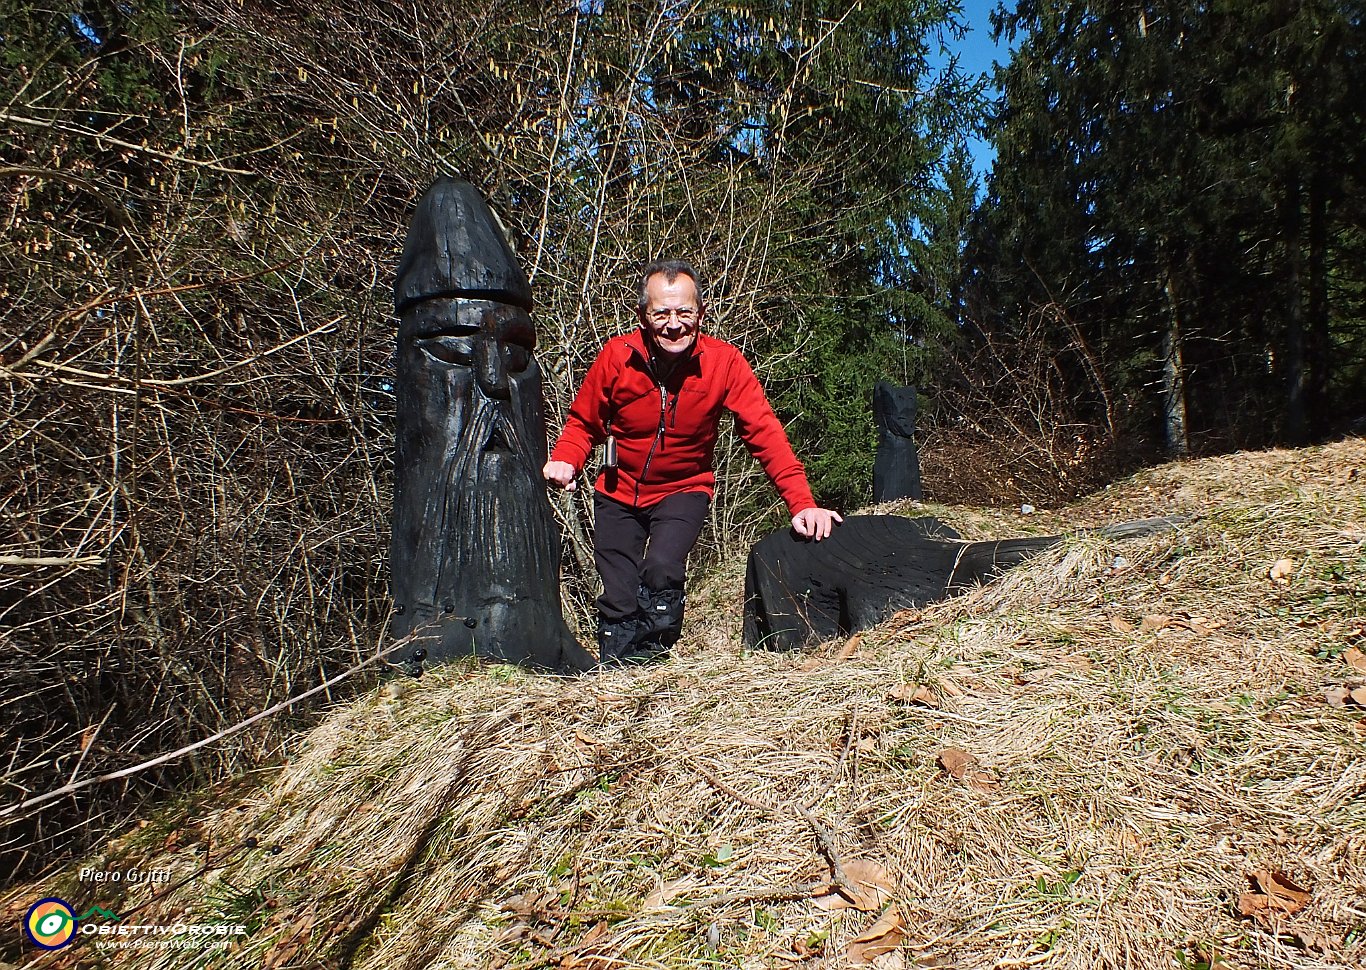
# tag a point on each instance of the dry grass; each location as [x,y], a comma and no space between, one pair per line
[678,816]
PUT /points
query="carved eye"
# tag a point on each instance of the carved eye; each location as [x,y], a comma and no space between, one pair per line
[451,350]
[516,358]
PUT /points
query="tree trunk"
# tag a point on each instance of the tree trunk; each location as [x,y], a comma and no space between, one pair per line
[1318,343]
[1296,378]
[1174,377]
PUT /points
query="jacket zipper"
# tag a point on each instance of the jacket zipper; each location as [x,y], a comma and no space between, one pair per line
[659,436]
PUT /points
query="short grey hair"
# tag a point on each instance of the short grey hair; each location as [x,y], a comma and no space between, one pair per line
[670,269]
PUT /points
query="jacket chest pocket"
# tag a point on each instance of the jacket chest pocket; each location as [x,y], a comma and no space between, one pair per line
[636,414]
[691,414]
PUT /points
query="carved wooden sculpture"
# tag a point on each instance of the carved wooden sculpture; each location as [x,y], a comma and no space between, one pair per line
[896,470]
[799,592]
[475,550]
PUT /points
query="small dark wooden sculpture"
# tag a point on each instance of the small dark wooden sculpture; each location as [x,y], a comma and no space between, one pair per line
[896,470]
[475,550]
[799,592]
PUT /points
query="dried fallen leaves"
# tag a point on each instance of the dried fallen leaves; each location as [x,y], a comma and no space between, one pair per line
[540,918]
[1341,695]
[850,647]
[538,907]
[915,694]
[1355,659]
[579,956]
[868,889]
[1281,571]
[1157,622]
[965,767]
[659,899]
[1199,625]
[295,935]
[884,936]
[845,652]
[903,620]
[1275,897]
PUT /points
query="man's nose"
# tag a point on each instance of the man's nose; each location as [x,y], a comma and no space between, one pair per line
[489,370]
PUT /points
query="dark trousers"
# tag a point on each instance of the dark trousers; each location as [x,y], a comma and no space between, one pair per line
[643,547]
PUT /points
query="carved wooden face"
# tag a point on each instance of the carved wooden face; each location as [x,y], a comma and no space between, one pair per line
[470,514]
[470,362]
[894,409]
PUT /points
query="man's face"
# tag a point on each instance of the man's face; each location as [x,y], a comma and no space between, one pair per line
[672,312]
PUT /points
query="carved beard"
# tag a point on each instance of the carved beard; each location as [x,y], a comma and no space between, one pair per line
[476,555]
[493,486]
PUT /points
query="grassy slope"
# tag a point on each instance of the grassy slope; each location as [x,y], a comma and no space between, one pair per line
[678,816]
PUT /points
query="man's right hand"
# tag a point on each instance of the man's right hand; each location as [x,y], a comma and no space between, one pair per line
[560,473]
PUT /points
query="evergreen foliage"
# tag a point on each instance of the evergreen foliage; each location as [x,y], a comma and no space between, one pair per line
[1181,179]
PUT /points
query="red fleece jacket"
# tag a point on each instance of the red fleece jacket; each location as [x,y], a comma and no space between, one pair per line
[666,424]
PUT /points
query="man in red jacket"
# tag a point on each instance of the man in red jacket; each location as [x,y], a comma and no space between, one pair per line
[656,396]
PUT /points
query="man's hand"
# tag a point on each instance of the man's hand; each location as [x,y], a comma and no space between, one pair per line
[560,473]
[813,523]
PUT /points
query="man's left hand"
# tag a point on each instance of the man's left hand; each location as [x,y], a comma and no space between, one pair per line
[815,523]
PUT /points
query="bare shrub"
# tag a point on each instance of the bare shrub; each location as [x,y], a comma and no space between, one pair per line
[202,205]
[1010,425]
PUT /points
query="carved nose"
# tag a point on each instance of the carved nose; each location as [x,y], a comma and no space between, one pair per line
[493,376]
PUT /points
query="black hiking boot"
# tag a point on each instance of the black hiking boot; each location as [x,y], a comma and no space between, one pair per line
[660,625]
[616,638]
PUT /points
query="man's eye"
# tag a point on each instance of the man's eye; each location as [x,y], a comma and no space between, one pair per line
[451,350]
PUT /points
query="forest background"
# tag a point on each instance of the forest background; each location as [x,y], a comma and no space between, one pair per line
[204,201]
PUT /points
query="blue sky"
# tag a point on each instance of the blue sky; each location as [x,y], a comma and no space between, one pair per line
[976,52]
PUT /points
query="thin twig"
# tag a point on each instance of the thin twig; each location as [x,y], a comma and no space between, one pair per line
[824,839]
[84,132]
[179,381]
[51,560]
